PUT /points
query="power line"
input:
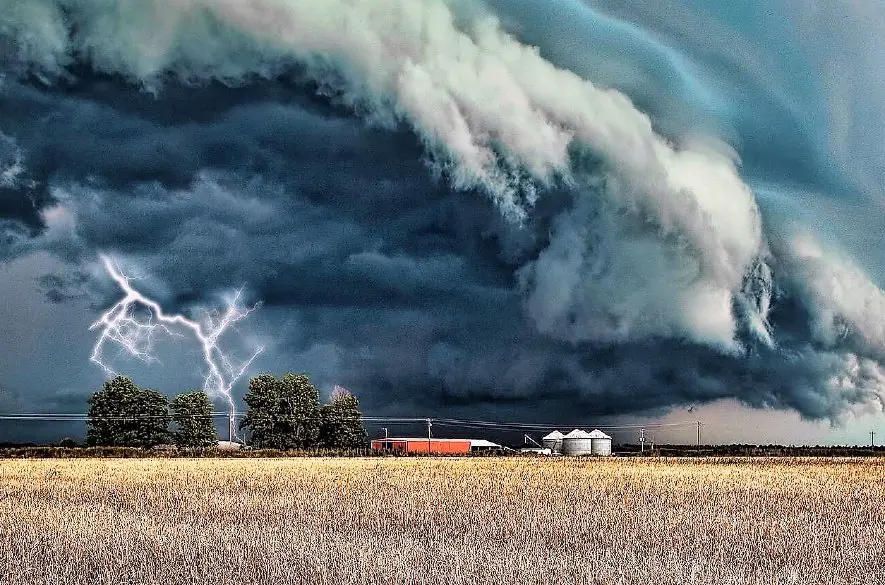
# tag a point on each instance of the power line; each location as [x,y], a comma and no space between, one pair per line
[446,422]
[514,425]
[404,420]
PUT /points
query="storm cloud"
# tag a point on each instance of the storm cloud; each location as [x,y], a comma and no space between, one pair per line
[444,205]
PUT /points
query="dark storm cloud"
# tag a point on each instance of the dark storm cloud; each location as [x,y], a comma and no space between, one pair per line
[20,200]
[523,264]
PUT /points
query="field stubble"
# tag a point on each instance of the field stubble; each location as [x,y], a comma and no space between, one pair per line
[442,521]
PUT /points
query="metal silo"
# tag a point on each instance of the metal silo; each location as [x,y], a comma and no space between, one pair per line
[577,442]
[600,443]
[553,441]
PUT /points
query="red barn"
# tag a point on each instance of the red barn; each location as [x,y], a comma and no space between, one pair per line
[425,445]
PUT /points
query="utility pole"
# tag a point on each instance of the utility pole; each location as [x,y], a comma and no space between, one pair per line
[699,432]
[872,438]
[385,431]
[230,427]
[642,440]
[429,424]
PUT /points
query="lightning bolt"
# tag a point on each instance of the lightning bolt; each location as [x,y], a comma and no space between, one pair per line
[121,325]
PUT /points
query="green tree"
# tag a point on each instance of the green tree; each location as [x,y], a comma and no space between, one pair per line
[123,415]
[262,399]
[342,421]
[283,413]
[300,408]
[192,414]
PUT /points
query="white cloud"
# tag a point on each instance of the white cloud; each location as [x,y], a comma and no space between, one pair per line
[661,236]
[845,306]
[12,162]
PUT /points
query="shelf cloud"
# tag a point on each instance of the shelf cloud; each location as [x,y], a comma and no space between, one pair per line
[445,205]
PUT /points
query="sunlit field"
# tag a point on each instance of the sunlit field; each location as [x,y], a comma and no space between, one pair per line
[442,521]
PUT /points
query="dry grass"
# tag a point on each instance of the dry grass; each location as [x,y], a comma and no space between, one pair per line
[445,521]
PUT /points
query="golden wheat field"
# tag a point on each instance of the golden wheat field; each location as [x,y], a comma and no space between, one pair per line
[442,521]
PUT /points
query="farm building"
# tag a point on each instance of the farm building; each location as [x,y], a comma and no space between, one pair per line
[577,442]
[600,443]
[483,446]
[434,445]
[228,446]
[580,442]
[553,441]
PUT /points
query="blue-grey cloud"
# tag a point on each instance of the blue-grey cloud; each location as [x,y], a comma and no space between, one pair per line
[450,205]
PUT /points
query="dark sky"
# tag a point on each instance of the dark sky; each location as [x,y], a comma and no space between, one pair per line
[516,209]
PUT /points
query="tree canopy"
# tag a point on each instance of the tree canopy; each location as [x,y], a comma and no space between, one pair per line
[342,421]
[300,406]
[122,414]
[261,419]
[285,413]
[192,414]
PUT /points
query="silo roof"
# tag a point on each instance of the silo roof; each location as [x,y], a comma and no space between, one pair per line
[577,434]
[597,434]
[553,435]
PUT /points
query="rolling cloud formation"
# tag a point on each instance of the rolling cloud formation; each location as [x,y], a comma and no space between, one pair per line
[452,204]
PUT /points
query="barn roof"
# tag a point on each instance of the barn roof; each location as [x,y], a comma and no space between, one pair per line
[483,443]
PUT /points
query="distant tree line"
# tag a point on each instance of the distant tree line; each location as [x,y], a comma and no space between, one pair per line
[283,413]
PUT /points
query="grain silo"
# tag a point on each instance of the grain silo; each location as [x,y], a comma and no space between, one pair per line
[553,441]
[600,443]
[577,442]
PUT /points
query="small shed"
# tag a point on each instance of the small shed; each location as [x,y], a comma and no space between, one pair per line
[228,446]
